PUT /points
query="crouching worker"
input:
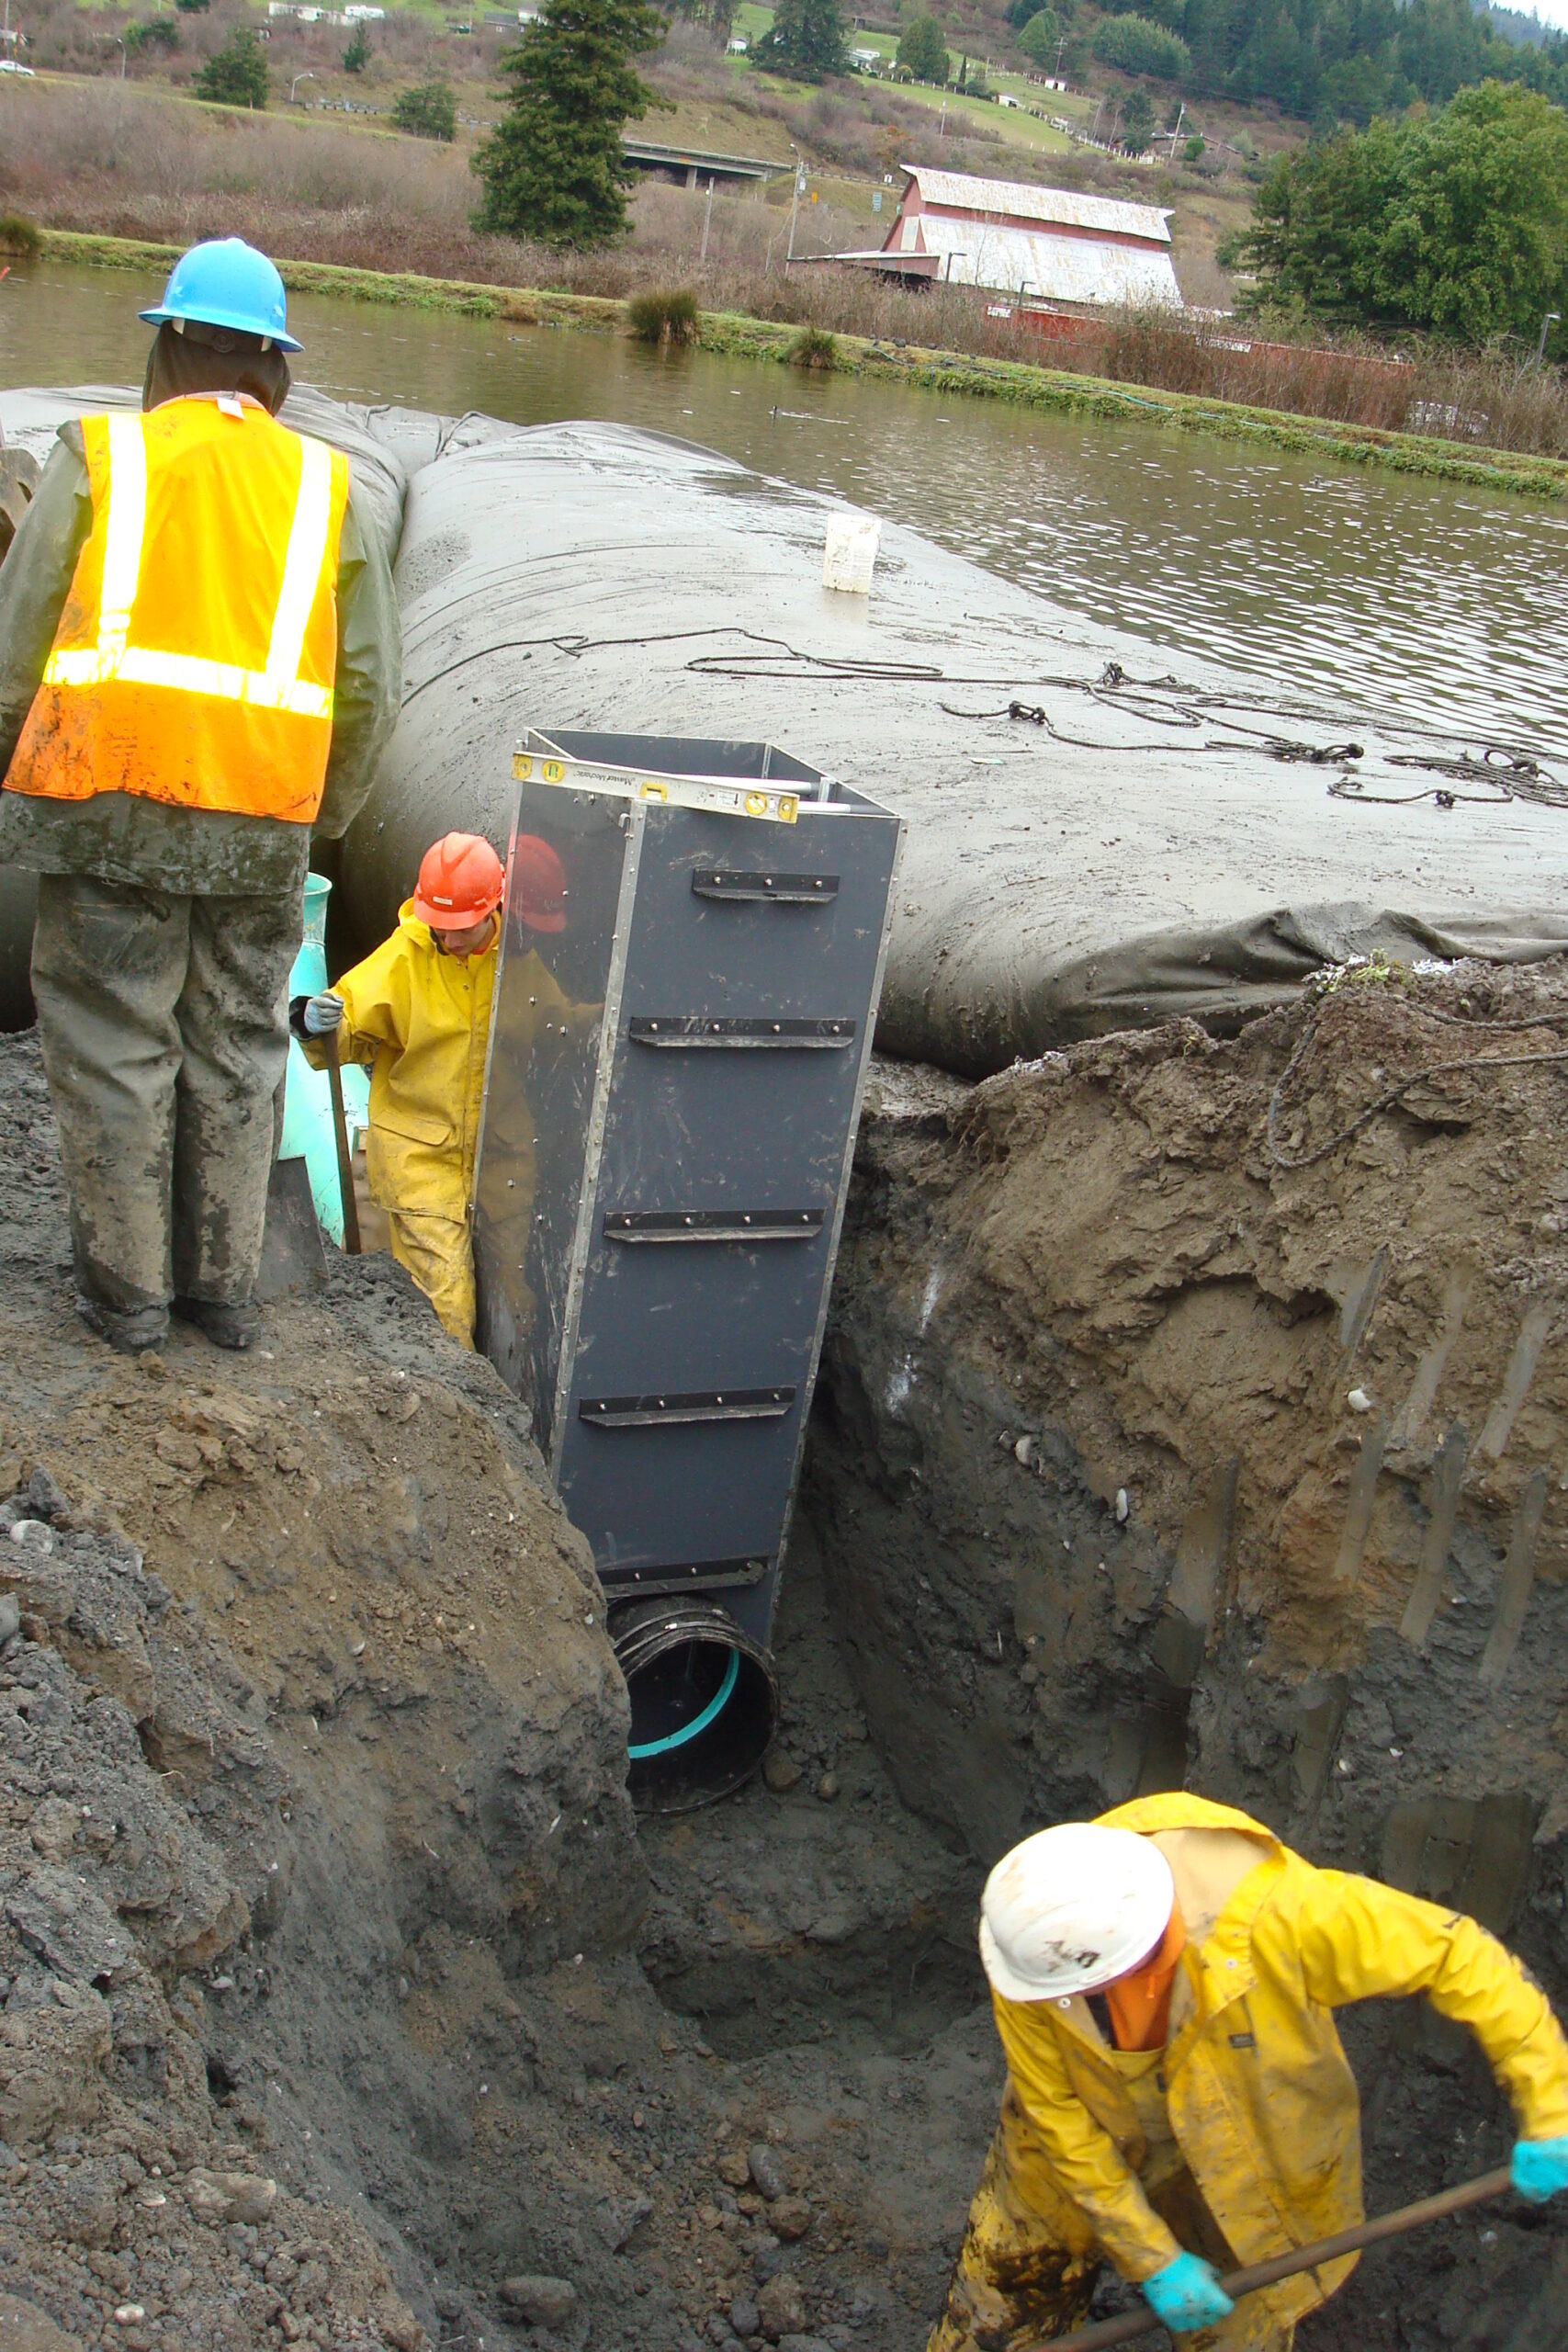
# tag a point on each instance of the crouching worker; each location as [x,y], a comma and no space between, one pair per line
[1178,2100]
[418,1011]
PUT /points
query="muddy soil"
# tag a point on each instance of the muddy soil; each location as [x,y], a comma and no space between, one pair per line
[1145,1454]
[340,1995]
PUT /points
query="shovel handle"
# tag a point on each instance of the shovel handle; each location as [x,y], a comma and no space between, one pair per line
[345,1162]
[1106,2332]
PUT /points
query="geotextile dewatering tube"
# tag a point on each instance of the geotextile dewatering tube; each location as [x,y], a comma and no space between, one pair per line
[704,1701]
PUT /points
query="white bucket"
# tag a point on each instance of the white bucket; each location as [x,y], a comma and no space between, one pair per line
[851,554]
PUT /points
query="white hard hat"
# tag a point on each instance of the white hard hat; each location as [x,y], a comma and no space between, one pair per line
[1071,1909]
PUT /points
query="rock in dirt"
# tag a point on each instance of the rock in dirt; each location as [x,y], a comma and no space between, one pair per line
[543,2302]
[10,1616]
[743,2317]
[24,2328]
[229,2196]
[733,2167]
[827,1787]
[767,2173]
[780,1772]
[781,2307]
[789,2218]
[49,2058]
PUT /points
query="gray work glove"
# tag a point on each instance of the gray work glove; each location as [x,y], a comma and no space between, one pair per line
[322,1014]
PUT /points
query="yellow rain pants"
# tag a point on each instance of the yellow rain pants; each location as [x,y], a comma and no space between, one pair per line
[1252,2099]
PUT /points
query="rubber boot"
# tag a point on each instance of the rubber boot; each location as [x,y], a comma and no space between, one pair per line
[227,1326]
[134,1331]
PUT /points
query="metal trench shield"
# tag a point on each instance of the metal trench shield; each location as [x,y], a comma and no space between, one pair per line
[676,1078]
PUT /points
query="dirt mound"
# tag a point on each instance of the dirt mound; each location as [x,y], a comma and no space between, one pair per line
[318,1870]
[1149,1453]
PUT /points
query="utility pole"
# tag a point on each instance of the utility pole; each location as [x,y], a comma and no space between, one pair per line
[707,221]
[1552,318]
[795,203]
[1176,132]
[1099,110]
[295,84]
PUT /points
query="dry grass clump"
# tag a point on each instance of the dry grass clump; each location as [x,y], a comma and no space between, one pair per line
[665,314]
[20,236]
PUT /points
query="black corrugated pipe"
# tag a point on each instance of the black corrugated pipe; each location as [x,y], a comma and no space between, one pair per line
[704,1701]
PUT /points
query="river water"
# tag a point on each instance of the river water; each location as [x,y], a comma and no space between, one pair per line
[1441,603]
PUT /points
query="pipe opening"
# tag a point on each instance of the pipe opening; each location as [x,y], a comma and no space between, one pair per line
[705,1702]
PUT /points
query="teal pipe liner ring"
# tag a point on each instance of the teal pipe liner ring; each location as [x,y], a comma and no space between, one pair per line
[698,1724]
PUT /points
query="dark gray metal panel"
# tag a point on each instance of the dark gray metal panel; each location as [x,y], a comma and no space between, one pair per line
[686,1368]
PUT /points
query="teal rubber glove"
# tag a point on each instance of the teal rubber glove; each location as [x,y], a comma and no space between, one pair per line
[1187,2293]
[1540,2169]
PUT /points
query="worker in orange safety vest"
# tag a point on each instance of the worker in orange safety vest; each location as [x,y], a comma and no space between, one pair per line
[199,661]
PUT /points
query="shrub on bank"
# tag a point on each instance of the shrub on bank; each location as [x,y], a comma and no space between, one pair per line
[664,315]
[237,75]
[814,347]
[19,237]
[429,112]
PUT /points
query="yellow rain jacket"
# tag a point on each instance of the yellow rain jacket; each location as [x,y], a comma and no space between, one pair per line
[422,1018]
[1253,2081]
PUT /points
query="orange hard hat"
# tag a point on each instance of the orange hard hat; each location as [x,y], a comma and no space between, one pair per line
[460,882]
[538,885]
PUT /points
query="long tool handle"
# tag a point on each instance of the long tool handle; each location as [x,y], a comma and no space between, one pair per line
[344,1163]
[1301,2258]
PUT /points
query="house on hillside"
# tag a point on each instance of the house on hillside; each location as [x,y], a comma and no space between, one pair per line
[1047,244]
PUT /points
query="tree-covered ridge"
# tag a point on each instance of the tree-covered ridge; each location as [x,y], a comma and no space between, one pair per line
[1348,59]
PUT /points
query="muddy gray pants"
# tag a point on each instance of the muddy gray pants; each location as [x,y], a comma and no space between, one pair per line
[164,1025]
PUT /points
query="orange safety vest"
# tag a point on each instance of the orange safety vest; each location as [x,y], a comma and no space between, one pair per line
[196,648]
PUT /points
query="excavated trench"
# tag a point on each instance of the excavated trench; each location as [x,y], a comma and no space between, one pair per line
[1086,1510]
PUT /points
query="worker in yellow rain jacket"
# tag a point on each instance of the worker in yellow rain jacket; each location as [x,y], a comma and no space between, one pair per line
[418,1011]
[1178,2100]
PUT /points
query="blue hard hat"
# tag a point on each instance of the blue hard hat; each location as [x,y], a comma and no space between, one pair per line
[226,282]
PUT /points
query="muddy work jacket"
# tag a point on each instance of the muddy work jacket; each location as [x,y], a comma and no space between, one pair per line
[190,834]
[1258,2094]
[193,657]
[420,1019]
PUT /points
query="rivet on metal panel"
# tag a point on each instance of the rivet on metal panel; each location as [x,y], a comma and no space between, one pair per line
[777,1031]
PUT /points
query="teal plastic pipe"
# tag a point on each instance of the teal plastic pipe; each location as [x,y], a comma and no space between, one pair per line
[307,1100]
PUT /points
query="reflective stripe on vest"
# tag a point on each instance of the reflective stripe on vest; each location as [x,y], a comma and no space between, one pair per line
[277,687]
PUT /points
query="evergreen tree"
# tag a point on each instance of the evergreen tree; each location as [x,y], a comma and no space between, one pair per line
[429,111]
[1137,121]
[806,39]
[357,55]
[1041,36]
[553,167]
[237,75]
[1138,45]
[922,51]
[1457,223]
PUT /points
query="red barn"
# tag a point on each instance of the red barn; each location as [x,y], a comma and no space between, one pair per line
[1046,243]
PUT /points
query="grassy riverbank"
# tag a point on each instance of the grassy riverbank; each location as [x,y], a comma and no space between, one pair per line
[1024,385]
